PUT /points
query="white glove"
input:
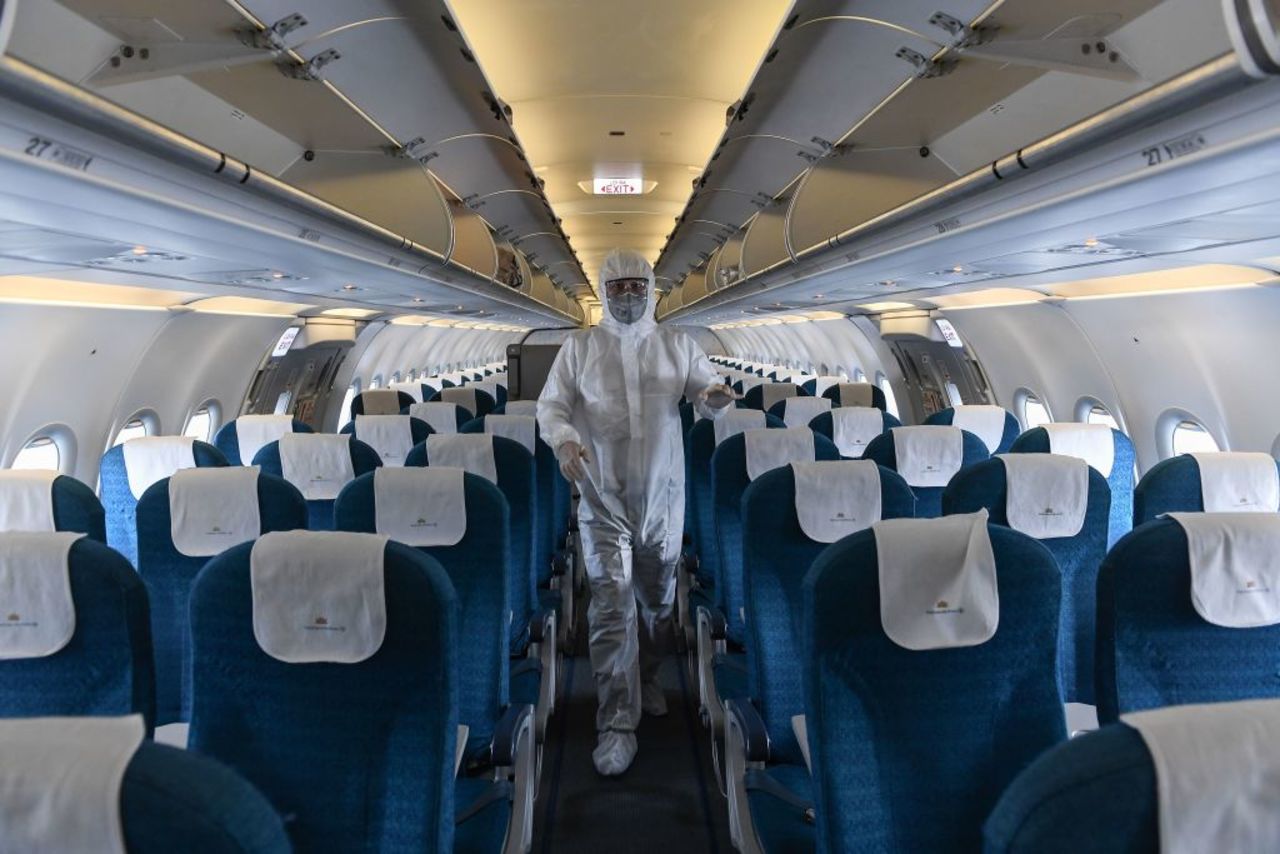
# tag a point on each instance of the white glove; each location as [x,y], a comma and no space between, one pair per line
[571,456]
[719,396]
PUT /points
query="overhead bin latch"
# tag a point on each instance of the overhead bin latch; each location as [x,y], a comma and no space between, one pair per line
[309,70]
[273,37]
[416,149]
[926,67]
[962,35]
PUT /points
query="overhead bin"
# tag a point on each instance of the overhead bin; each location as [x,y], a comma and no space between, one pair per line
[728,261]
[473,246]
[396,193]
[765,243]
[694,287]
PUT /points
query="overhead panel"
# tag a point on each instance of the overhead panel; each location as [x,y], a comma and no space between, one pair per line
[765,243]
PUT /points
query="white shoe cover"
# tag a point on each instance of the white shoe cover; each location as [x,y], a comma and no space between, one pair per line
[653,699]
[614,752]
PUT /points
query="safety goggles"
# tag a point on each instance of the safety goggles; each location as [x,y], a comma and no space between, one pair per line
[622,287]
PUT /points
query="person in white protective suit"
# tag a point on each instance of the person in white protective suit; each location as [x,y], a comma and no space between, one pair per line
[610,408]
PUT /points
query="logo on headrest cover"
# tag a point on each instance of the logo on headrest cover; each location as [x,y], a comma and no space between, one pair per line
[942,606]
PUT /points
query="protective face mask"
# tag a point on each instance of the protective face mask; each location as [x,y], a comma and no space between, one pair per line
[628,308]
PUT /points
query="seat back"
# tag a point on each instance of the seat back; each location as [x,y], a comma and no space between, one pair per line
[729,480]
[121,503]
[106,667]
[984,485]
[363,403]
[765,395]
[364,459]
[835,394]
[701,445]
[911,749]
[476,401]
[1120,479]
[72,505]
[227,440]
[816,386]
[1171,486]
[381,733]
[494,389]
[517,481]
[419,430]
[883,450]
[1010,432]
[478,566]
[1154,648]
[824,425]
[169,574]
[776,555]
[1095,793]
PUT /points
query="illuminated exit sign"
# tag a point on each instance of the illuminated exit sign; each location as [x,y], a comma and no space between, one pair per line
[618,186]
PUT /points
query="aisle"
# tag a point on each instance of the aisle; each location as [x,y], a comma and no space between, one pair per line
[666,803]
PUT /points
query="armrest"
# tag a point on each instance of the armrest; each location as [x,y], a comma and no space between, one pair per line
[719,626]
[751,725]
[506,736]
[540,626]
[561,563]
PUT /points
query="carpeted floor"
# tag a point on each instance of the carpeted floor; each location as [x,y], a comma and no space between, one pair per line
[667,802]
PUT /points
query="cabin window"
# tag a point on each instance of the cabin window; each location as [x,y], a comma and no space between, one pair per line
[890,402]
[411,375]
[1096,413]
[283,401]
[395,377]
[1032,410]
[1191,437]
[203,422]
[376,382]
[140,425]
[344,415]
[39,453]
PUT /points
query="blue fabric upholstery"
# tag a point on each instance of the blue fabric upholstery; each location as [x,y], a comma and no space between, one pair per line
[1154,649]
[359,756]
[364,459]
[120,505]
[877,396]
[1171,486]
[729,481]
[175,800]
[1095,793]
[775,558]
[419,430]
[106,668]
[984,485]
[1011,427]
[754,398]
[227,440]
[1036,441]
[928,498]
[169,574]
[701,445]
[911,750]
[75,508]
[780,825]
[484,403]
[478,566]
[357,402]
[517,482]
[824,424]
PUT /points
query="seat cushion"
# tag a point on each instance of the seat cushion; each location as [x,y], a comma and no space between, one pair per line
[484,828]
[526,679]
[782,826]
[730,670]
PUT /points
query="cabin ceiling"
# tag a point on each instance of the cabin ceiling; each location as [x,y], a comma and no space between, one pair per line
[661,72]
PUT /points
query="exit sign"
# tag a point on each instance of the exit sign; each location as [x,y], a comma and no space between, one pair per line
[618,186]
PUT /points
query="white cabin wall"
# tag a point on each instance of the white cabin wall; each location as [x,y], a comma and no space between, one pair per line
[88,368]
[839,343]
[401,348]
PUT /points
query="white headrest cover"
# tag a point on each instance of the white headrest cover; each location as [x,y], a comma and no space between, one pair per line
[1238,482]
[771,393]
[26,500]
[60,782]
[937,581]
[1217,775]
[985,422]
[1046,495]
[821,384]
[929,455]
[390,435]
[318,595]
[799,411]
[37,616]
[489,387]
[254,432]
[381,401]
[413,389]
[735,421]
[471,452]
[440,417]
[319,464]
[522,407]
[836,499]
[152,458]
[853,428]
[771,449]
[464,396]
[213,509]
[856,394]
[1092,443]
[1235,573]
[421,506]
[518,428]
